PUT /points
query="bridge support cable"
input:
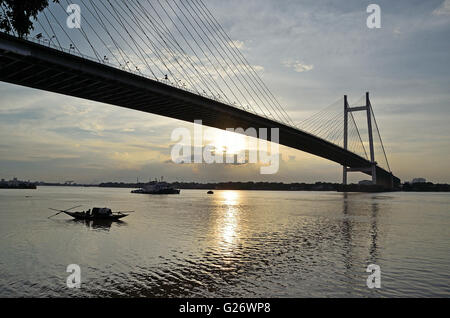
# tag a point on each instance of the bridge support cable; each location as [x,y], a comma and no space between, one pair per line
[315,122]
[167,54]
[359,141]
[123,55]
[232,57]
[120,20]
[201,49]
[218,61]
[118,47]
[207,56]
[224,52]
[225,67]
[334,129]
[212,65]
[380,139]
[151,46]
[356,143]
[50,37]
[51,28]
[72,44]
[149,25]
[198,66]
[348,113]
[99,16]
[218,48]
[167,40]
[326,123]
[329,125]
[162,56]
[185,77]
[84,35]
[179,53]
[242,58]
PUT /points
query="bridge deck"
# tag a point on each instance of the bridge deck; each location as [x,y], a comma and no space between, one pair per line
[37,66]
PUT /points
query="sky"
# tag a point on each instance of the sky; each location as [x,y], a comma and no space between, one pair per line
[310,53]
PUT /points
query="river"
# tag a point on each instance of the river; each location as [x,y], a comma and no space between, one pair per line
[228,244]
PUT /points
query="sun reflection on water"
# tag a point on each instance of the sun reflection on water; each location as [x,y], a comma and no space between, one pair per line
[228,223]
[230,197]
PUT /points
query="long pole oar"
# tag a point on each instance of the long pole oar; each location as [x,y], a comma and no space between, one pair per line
[123,212]
[54,214]
[61,211]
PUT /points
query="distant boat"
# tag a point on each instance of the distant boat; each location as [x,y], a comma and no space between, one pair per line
[95,214]
[210,192]
[157,188]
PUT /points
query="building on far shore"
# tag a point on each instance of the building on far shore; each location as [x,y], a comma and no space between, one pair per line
[16,184]
[418,180]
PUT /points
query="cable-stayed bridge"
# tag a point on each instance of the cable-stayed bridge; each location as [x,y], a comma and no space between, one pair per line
[174,59]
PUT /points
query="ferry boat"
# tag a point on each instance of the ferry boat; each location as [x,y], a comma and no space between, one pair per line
[157,188]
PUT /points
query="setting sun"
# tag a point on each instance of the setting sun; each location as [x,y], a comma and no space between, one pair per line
[228,142]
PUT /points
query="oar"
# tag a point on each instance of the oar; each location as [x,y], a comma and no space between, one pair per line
[61,211]
[55,214]
[73,207]
[124,212]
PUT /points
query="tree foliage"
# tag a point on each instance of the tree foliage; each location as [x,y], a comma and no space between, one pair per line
[17,14]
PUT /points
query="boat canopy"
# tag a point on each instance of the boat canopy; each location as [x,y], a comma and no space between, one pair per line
[101,211]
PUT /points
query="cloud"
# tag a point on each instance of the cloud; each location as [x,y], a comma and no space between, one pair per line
[444,9]
[298,66]
[238,44]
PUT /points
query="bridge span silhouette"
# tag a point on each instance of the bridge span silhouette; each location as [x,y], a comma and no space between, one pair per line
[42,67]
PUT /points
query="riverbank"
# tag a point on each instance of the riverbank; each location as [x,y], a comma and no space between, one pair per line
[258,186]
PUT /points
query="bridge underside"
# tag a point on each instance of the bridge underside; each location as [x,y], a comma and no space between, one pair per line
[36,66]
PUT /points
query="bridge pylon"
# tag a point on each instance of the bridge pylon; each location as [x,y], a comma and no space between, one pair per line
[373,167]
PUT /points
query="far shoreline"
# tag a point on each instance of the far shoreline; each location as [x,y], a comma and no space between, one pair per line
[255,186]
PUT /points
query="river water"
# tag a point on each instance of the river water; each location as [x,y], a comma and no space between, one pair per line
[229,244]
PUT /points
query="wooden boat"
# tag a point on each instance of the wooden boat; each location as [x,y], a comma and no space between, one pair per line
[96,214]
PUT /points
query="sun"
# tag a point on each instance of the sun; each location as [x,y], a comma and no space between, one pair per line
[228,142]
